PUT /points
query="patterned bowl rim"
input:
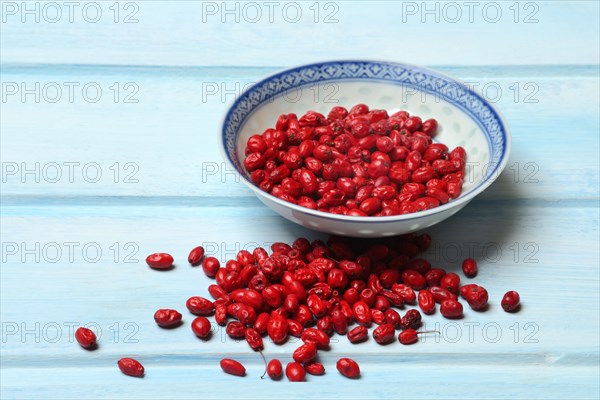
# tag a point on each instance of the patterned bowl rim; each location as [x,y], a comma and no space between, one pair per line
[456,203]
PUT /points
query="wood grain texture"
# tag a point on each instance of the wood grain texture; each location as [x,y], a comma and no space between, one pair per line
[182,105]
[488,347]
[204,33]
[73,250]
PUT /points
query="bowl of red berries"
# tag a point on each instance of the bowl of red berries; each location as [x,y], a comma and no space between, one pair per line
[364,148]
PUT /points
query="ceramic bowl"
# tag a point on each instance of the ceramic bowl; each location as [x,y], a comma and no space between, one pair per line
[465,119]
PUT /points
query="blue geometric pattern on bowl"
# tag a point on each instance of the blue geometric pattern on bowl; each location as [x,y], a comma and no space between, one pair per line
[418,78]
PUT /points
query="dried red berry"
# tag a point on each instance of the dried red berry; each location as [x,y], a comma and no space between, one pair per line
[358,334]
[305,353]
[131,367]
[201,327]
[464,289]
[221,314]
[414,279]
[254,339]
[325,325]
[451,309]
[275,369]
[392,317]
[362,313]
[200,306]
[451,282]
[277,328]
[340,322]
[434,276]
[196,255]
[429,126]
[314,368]
[348,367]
[167,318]
[440,294]
[368,297]
[210,266]
[384,333]
[477,297]
[377,316]
[408,336]
[245,314]
[295,372]
[217,292]
[405,292]
[161,261]
[469,267]
[316,336]
[236,330]
[232,367]
[412,319]
[86,338]
[510,301]
[426,301]
[295,328]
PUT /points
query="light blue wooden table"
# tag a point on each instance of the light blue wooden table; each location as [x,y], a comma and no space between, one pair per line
[109,120]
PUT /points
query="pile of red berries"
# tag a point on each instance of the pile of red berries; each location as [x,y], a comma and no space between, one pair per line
[360,162]
[312,290]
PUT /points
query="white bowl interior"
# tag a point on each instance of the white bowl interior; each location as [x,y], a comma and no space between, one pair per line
[456,128]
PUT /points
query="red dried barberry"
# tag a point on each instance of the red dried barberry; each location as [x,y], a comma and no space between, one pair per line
[356,163]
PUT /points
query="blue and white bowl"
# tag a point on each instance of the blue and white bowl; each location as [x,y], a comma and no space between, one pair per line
[464,117]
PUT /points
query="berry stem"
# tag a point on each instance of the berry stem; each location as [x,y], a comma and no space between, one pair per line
[265,360]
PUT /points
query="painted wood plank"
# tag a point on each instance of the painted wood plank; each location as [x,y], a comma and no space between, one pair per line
[386,380]
[165,144]
[520,247]
[204,33]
